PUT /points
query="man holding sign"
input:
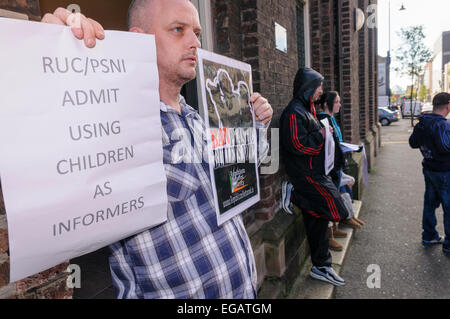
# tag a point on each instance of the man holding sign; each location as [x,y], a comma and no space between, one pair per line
[189,256]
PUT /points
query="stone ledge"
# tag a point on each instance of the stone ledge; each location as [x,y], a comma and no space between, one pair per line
[286,250]
[271,289]
[273,231]
[7,291]
[355,167]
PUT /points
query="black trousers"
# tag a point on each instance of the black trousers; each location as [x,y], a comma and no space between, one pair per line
[320,202]
[319,196]
[317,234]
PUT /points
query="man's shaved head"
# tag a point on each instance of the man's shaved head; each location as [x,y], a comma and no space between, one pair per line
[138,14]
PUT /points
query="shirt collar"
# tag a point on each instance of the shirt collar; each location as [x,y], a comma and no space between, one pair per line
[185,108]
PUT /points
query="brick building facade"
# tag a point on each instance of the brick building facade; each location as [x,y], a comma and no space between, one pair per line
[320,34]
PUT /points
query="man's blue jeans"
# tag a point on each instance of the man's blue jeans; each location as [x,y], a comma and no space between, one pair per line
[437,191]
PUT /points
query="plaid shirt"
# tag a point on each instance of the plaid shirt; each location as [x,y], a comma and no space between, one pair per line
[188,256]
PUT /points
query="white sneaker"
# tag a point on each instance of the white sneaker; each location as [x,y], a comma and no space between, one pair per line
[327,274]
[286,190]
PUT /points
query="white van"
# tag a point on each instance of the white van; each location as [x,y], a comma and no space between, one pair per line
[406,108]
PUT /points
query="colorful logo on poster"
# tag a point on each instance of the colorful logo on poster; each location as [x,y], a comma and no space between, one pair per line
[237,180]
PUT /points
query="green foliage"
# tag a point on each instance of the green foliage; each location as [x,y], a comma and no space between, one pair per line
[423,92]
[412,54]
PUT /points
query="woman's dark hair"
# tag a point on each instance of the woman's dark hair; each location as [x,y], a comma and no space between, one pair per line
[327,100]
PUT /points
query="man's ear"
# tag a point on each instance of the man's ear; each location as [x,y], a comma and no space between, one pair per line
[136,29]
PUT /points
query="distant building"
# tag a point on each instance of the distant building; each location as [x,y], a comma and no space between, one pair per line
[428,78]
[441,56]
[383,82]
[447,77]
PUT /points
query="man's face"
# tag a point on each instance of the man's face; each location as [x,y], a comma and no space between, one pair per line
[318,92]
[176,26]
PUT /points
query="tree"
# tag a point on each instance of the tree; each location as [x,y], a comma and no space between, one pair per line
[412,56]
[423,93]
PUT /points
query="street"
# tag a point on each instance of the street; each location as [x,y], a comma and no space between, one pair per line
[391,238]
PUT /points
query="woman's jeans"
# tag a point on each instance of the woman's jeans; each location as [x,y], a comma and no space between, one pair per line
[437,191]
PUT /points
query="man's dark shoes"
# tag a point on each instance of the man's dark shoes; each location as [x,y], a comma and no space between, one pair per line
[435,241]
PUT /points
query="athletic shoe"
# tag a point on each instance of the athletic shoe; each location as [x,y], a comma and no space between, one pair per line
[327,274]
[439,240]
[286,190]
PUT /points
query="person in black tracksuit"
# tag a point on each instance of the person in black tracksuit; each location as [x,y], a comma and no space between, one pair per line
[302,139]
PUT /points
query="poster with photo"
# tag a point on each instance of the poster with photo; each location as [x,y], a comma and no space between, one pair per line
[226,87]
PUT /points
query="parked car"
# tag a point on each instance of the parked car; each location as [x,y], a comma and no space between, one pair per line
[427,108]
[386,116]
[406,108]
[394,107]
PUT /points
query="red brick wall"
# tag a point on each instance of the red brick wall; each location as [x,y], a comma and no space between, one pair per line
[373,74]
[363,75]
[245,30]
[355,75]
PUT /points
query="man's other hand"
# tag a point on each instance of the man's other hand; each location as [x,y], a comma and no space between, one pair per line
[262,108]
[83,28]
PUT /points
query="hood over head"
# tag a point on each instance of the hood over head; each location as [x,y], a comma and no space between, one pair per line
[305,84]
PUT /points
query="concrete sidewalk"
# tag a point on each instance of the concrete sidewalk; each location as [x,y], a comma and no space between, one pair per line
[391,237]
[308,288]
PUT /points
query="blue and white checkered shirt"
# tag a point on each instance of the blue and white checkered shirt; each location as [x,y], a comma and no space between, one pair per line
[188,256]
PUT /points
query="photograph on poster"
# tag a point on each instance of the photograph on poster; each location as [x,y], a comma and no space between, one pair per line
[226,88]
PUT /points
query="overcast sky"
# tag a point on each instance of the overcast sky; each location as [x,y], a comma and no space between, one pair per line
[434,15]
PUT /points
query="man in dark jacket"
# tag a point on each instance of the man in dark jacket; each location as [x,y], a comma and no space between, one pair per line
[302,141]
[432,136]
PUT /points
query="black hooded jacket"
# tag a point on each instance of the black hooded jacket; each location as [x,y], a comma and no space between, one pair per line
[300,138]
[432,136]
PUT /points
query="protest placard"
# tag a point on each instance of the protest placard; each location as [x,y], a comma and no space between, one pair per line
[80,139]
[226,87]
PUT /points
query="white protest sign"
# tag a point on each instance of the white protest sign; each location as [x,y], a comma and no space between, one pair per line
[80,140]
[329,147]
